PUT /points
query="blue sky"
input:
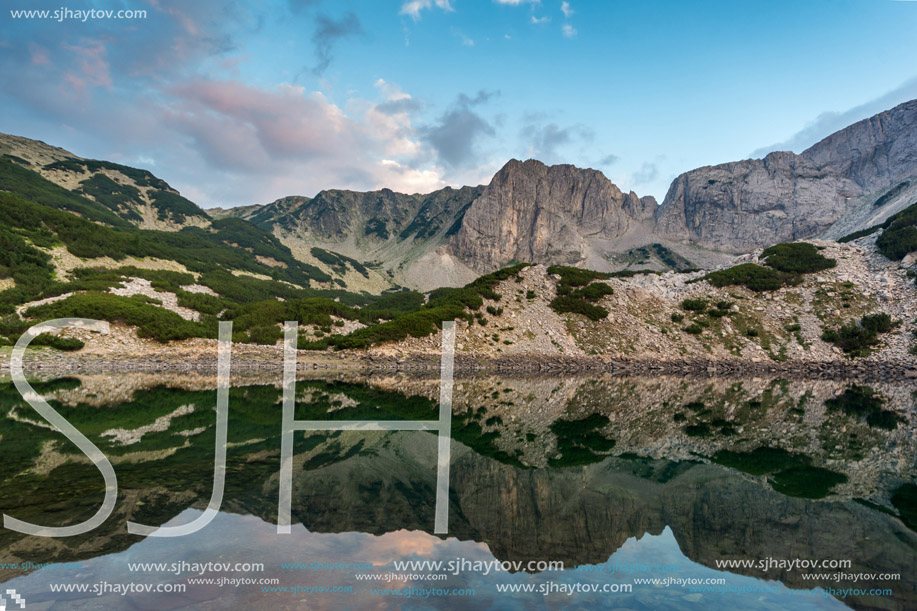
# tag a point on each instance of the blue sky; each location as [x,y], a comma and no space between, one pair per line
[237,103]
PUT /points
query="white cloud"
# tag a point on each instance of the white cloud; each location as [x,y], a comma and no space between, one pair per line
[413,8]
[568,30]
[405,179]
[517,2]
[467,41]
[539,20]
[566,9]
[260,144]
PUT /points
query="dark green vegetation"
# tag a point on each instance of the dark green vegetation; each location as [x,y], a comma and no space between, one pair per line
[71,491]
[704,421]
[443,304]
[858,339]
[339,262]
[211,255]
[114,196]
[891,193]
[151,321]
[752,276]
[904,500]
[31,186]
[645,254]
[760,461]
[576,293]
[807,482]
[54,341]
[785,264]
[864,403]
[694,305]
[879,323]
[38,214]
[698,308]
[580,442]
[898,237]
[791,474]
[118,198]
[862,233]
[796,258]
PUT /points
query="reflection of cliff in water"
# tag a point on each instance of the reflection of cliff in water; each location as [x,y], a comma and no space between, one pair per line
[381,482]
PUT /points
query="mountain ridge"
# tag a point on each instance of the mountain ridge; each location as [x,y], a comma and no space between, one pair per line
[533,212]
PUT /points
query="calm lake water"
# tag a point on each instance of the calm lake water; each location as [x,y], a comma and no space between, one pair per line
[651,493]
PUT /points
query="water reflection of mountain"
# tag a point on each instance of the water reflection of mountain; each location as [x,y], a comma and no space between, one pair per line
[380,482]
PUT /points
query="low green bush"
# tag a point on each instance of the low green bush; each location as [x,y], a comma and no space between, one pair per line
[151,321]
[593,292]
[266,334]
[575,276]
[754,277]
[879,323]
[852,339]
[567,303]
[898,237]
[858,339]
[694,305]
[58,342]
[796,258]
[576,300]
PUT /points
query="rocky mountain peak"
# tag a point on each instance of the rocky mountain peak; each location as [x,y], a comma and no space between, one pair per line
[534,212]
[739,206]
[876,153]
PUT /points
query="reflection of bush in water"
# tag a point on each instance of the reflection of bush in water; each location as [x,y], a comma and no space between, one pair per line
[807,482]
[579,440]
[760,461]
[862,401]
[905,501]
[791,474]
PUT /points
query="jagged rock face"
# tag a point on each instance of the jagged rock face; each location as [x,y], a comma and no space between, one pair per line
[379,215]
[533,212]
[876,153]
[740,206]
[737,207]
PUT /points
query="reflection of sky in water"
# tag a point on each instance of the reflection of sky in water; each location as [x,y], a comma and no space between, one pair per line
[245,539]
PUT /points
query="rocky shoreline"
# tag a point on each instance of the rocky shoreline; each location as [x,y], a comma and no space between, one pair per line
[470,365]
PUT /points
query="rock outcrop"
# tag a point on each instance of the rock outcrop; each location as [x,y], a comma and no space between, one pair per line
[876,153]
[736,207]
[533,212]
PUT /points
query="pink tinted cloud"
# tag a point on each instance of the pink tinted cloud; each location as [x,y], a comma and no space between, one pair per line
[39,55]
[268,143]
[92,61]
[284,123]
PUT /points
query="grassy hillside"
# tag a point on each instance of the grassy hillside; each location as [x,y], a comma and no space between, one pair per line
[240,263]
